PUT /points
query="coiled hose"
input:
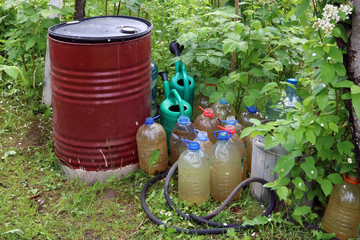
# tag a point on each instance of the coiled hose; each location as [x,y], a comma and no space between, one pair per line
[221,227]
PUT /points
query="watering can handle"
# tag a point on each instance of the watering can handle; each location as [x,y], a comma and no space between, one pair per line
[186,82]
[179,100]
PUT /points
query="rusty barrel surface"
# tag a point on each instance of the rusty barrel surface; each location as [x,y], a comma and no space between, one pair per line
[101,96]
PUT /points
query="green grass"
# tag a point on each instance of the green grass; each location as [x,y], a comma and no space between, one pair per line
[38,202]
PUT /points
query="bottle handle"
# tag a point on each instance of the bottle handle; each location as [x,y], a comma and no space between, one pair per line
[187,142]
[230,122]
[198,132]
[179,100]
[220,131]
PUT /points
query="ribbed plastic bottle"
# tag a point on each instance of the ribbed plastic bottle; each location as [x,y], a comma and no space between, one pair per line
[184,129]
[222,109]
[225,167]
[202,101]
[194,174]
[244,145]
[251,112]
[207,122]
[342,214]
[280,109]
[150,137]
[203,139]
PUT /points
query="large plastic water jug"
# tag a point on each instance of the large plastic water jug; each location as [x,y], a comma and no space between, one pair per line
[251,112]
[184,129]
[222,109]
[225,167]
[194,174]
[342,214]
[281,108]
[207,122]
[151,137]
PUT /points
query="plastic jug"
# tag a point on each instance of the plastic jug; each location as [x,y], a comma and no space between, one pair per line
[202,101]
[247,143]
[171,108]
[184,129]
[181,81]
[244,117]
[342,214]
[231,120]
[222,109]
[151,137]
[280,109]
[225,167]
[203,139]
[207,122]
[194,174]
[154,77]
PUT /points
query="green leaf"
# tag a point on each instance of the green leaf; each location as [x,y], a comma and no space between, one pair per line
[215,97]
[301,9]
[326,187]
[335,178]
[340,69]
[355,89]
[154,157]
[327,72]
[257,72]
[345,147]
[239,27]
[356,103]
[309,133]
[231,45]
[12,71]
[322,100]
[269,65]
[309,168]
[30,43]
[334,127]
[302,211]
[230,97]
[347,167]
[282,192]
[336,54]
[246,131]
[257,25]
[284,165]
[344,84]
[299,183]
[259,220]
[268,86]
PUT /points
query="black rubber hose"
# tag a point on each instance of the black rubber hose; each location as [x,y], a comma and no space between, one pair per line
[205,219]
[225,228]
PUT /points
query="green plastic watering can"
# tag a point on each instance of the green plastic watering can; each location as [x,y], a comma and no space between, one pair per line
[181,81]
[171,108]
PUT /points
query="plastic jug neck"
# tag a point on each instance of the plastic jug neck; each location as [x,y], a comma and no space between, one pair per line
[191,145]
[183,120]
[251,109]
[207,112]
[229,128]
[222,135]
[223,101]
[150,120]
[201,135]
[230,122]
[290,92]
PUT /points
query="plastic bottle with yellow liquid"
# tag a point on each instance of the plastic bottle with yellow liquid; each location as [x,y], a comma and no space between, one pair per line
[194,174]
[207,122]
[342,214]
[151,137]
[225,167]
[222,109]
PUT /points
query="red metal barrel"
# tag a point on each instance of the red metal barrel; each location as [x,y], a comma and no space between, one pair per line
[101,83]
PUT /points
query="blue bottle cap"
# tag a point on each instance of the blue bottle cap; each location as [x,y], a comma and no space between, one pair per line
[191,145]
[293,81]
[183,119]
[150,120]
[223,135]
[252,109]
[223,101]
[201,135]
[230,122]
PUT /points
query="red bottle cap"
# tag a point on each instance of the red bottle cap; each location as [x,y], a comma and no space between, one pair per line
[229,128]
[207,112]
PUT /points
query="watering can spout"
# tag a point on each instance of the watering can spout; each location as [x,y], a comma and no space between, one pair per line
[175,48]
[164,77]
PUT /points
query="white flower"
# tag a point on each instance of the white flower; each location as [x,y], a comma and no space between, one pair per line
[330,12]
[225,224]
[168,214]
[346,8]
[322,125]
[314,54]
[269,219]
[162,211]
[349,160]
[299,184]
[328,58]
[312,172]
[253,234]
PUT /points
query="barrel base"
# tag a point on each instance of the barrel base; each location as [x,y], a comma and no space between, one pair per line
[91,177]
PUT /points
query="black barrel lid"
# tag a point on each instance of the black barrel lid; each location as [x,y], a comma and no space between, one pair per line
[101,29]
